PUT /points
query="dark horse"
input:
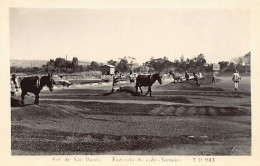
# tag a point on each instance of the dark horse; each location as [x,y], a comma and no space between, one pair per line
[175,78]
[34,85]
[147,80]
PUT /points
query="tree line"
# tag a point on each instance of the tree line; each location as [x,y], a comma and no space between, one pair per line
[128,64]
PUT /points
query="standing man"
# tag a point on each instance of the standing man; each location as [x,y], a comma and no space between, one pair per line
[187,76]
[196,78]
[116,78]
[213,77]
[236,78]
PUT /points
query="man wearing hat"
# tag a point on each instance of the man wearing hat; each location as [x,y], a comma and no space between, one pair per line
[236,78]
[196,78]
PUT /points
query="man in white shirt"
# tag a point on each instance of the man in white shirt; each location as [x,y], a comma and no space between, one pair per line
[236,78]
[196,78]
[116,79]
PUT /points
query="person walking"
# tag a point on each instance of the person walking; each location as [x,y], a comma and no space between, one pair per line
[116,78]
[196,78]
[187,76]
[213,77]
[236,78]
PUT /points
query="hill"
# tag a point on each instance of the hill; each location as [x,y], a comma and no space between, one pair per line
[27,63]
[36,63]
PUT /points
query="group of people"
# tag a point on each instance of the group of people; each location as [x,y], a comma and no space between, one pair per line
[195,75]
[235,78]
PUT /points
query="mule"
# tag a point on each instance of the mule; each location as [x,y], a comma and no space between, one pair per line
[147,80]
[34,85]
[175,78]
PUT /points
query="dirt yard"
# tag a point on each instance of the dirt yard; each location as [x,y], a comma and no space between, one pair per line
[179,119]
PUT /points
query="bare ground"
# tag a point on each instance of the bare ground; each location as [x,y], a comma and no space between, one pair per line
[209,120]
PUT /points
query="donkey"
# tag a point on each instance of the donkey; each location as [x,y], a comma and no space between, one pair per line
[147,80]
[175,78]
[34,85]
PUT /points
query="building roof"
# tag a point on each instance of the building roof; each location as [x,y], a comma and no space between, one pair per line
[111,66]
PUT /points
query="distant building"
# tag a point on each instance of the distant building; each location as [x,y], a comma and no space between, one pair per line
[107,69]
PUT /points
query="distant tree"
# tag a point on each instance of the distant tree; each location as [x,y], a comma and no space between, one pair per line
[200,60]
[74,64]
[223,65]
[35,70]
[137,69]
[183,63]
[13,69]
[112,62]
[243,63]
[158,64]
[81,68]
[231,67]
[59,62]
[238,61]
[94,66]
[131,62]
[123,66]
[247,60]
[187,64]
[192,64]
[50,65]
[209,68]
[177,63]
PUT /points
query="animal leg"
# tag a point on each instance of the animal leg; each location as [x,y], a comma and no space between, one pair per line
[141,90]
[22,96]
[150,90]
[36,101]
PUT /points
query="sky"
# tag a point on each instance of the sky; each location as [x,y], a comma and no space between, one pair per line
[104,34]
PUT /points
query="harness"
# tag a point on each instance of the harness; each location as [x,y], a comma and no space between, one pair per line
[38,82]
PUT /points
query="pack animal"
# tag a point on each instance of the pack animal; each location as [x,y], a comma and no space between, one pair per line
[34,85]
[175,78]
[147,80]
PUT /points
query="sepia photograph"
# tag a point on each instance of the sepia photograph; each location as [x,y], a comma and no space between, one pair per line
[130,82]
[137,84]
